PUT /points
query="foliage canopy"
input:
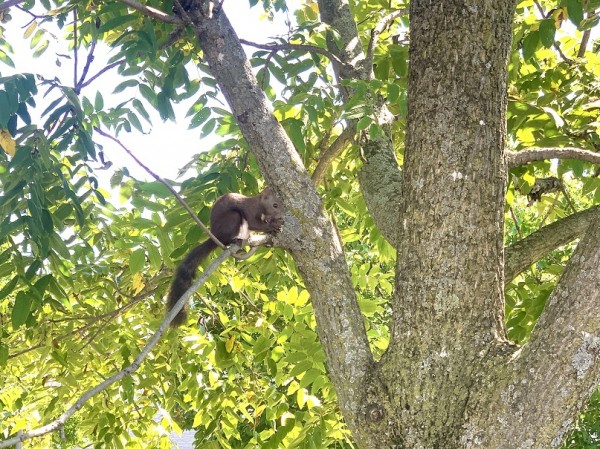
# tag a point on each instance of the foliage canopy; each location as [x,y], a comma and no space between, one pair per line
[83,276]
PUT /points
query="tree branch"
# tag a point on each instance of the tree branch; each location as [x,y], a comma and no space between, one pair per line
[152,12]
[517,158]
[535,246]
[79,403]
[312,239]
[560,364]
[165,183]
[8,3]
[332,152]
[385,21]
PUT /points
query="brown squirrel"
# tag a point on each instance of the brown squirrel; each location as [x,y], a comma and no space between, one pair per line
[232,218]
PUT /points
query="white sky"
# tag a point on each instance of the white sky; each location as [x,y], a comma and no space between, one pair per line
[168,146]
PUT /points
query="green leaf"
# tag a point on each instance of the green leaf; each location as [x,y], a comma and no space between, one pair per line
[547,32]
[363,123]
[6,59]
[530,43]
[8,288]
[3,354]
[98,102]
[137,260]
[21,310]
[575,11]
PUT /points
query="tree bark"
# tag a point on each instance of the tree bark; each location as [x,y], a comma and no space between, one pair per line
[539,244]
[448,306]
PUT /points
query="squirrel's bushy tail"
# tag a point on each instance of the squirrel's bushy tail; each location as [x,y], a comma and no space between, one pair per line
[184,277]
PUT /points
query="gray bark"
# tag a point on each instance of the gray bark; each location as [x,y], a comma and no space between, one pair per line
[539,244]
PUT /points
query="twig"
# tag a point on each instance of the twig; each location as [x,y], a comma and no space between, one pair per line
[334,150]
[375,32]
[585,38]
[62,419]
[514,217]
[105,69]
[517,158]
[163,182]
[174,36]
[86,68]
[568,198]
[75,50]
[92,321]
[152,12]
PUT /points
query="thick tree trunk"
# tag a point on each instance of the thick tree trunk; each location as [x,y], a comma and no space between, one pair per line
[448,311]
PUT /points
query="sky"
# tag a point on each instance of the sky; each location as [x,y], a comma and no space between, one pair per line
[168,146]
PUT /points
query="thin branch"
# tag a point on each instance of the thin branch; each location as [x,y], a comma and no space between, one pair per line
[308,48]
[86,68]
[8,3]
[75,49]
[92,320]
[105,69]
[585,38]
[517,158]
[163,182]
[62,419]
[537,245]
[385,21]
[174,36]
[152,12]
[517,226]
[334,150]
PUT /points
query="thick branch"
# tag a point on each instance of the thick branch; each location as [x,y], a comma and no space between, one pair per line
[539,244]
[62,419]
[560,365]
[515,159]
[379,177]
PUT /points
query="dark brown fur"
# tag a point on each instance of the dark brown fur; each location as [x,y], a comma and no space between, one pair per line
[232,218]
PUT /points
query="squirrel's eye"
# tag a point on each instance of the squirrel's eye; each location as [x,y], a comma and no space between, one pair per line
[275,205]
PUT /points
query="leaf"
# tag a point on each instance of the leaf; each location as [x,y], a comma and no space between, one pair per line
[7,143]
[21,310]
[6,59]
[137,260]
[363,123]
[530,43]
[230,343]
[3,354]
[98,102]
[575,11]
[547,32]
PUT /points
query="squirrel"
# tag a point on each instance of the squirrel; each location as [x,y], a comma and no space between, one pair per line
[232,218]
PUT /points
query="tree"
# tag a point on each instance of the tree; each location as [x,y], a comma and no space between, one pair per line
[475,346]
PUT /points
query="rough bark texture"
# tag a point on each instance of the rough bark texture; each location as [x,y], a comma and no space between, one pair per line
[449,288]
[537,393]
[540,243]
[449,379]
